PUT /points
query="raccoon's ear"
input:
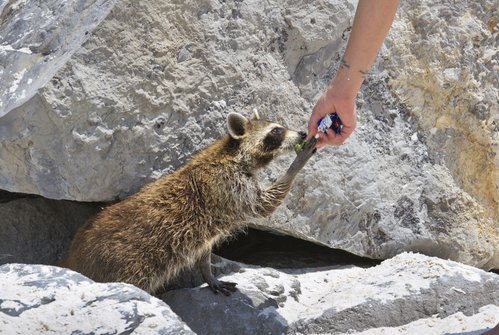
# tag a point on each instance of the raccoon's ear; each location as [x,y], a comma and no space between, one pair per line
[236,124]
[256,116]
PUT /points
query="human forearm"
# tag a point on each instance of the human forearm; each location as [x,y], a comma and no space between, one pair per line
[372,21]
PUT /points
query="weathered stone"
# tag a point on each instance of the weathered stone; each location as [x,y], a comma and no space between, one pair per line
[442,62]
[125,110]
[137,96]
[382,193]
[395,294]
[421,172]
[36,299]
[478,323]
[37,39]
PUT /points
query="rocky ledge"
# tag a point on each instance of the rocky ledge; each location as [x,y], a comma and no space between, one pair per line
[39,299]
[409,293]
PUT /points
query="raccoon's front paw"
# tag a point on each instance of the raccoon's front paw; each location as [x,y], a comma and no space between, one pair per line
[306,151]
[222,286]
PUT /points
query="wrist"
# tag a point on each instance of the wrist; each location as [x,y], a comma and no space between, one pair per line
[346,83]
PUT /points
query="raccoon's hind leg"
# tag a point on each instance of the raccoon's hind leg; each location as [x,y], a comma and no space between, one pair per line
[216,285]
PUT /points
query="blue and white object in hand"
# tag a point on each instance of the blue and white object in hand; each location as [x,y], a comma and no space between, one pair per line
[332,121]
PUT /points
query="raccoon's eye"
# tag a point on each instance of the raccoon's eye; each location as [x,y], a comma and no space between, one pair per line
[277,131]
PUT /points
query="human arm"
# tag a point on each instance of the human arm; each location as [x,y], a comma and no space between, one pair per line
[372,21]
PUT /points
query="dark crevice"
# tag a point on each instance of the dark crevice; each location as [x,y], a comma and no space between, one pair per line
[263,248]
[38,230]
[6,196]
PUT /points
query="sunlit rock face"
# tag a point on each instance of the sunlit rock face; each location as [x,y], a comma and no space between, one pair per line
[38,298]
[99,99]
[408,294]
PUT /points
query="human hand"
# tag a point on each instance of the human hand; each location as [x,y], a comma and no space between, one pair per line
[331,101]
[370,25]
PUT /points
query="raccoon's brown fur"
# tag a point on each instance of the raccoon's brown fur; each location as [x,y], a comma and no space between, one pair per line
[172,223]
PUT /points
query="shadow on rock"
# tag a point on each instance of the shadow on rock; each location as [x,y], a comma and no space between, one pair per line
[244,312]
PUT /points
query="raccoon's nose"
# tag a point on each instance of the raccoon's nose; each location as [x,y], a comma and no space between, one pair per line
[302,134]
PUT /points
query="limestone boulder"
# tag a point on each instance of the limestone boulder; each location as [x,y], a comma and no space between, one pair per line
[36,299]
[442,63]
[37,39]
[406,294]
[126,92]
[148,87]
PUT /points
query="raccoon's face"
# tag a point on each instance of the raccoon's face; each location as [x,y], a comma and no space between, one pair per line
[262,141]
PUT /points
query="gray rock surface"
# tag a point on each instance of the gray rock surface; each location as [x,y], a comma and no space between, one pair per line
[382,193]
[139,94]
[409,291]
[36,299]
[37,39]
[129,105]
[38,230]
[456,324]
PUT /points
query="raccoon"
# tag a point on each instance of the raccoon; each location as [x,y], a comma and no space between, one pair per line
[172,223]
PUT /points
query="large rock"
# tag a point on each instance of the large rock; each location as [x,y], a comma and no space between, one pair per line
[138,95]
[37,39]
[36,299]
[383,193]
[457,323]
[442,62]
[421,172]
[147,90]
[409,291]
